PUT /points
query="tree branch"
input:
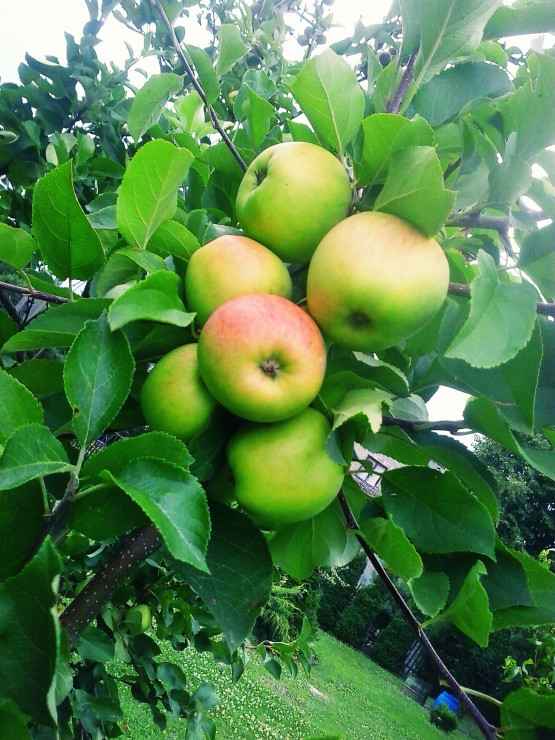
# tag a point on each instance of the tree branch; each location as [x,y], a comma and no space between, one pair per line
[486,728]
[132,550]
[395,103]
[10,308]
[36,294]
[545,309]
[211,112]
[453,427]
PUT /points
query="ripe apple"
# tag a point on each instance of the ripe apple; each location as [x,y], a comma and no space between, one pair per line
[375,280]
[282,471]
[138,619]
[229,266]
[290,196]
[262,357]
[174,398]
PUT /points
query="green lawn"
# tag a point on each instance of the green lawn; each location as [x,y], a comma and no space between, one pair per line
[346,696]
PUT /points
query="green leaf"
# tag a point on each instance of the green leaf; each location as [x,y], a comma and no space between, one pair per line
[13,726]
[94,644]
[436,512]
[458,89]
[260,115]
[30,634]
[364,407]
[21,522]
[470,611]
[231,48]
[506,582]
[148,193]
[240,578]
[321,541]
[105,513]
[537,259]
[527,715]
[18,406]
[17,246]
[414,189]
[329,95]
[206,73]
[68,243]
[173,238]
[174,501]
[430,592]
[155,298]
[41,376]
[58,326]
[384,134]
[511,385]
[97,377]
[441,31]
[31,452]
[150,100]
[392,546]
[537,17]
[541,587]
[501,321]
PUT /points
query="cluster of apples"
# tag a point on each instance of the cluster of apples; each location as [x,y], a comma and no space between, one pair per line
[373,280]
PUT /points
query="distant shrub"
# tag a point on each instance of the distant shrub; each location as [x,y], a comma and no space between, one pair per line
[392,645]
[443,718]
[370,605]
[336,587]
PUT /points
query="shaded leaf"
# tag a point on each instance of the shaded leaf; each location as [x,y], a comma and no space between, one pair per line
[231,48]
[68,243]
[240,577]
[524,711]
[392,546]
[17,246]
[97,377]
[436,512]
[18,406]
[527,18]
[21,522]
[430,591]
[537,259]
[31,452]
[207,75]
[470,611]
[541,586]
[173,238]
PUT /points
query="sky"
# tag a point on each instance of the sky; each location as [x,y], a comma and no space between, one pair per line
[37,27]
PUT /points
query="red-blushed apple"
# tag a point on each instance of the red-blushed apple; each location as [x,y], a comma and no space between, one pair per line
[174,398]
[262,357]
[290,196]
[282,471]
[229,266]
[375,280]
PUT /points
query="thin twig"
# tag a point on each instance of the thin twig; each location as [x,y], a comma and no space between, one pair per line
[453,427]
[211,112]
[394,104]
[486,728]
[38,295]
[10,308]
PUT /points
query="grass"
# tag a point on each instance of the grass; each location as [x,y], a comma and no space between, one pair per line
[346,696]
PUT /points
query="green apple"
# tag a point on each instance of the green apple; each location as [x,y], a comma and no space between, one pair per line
[229,266]
[282,471]
[174,398]
[262,357]
[138,619]
[290,196]
[375,280]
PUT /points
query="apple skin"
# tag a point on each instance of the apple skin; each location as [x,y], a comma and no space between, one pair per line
[262,357]
[174,398]
[229,266]
[283,473]
[375,280]
[290,196]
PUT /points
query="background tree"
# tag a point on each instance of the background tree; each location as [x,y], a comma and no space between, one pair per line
[106,189]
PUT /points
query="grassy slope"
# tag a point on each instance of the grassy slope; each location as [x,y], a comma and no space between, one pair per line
[346,696]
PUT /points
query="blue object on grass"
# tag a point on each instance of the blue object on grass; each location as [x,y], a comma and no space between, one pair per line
[449,700]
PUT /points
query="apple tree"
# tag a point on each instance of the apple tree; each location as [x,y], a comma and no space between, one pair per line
[119,536]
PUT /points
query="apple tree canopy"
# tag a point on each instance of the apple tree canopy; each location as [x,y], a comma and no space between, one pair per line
[111,176]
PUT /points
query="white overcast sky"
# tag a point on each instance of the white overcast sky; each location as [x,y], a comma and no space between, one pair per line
[38,26]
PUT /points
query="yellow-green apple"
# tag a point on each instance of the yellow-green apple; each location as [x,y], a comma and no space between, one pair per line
[138,619]
[282,471]
[375,280]
[174,398]
[229,266]
[262,357]
[290,196]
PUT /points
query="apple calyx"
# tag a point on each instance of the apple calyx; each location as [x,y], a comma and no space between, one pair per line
[270,367]
[260,176]
[358,320]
